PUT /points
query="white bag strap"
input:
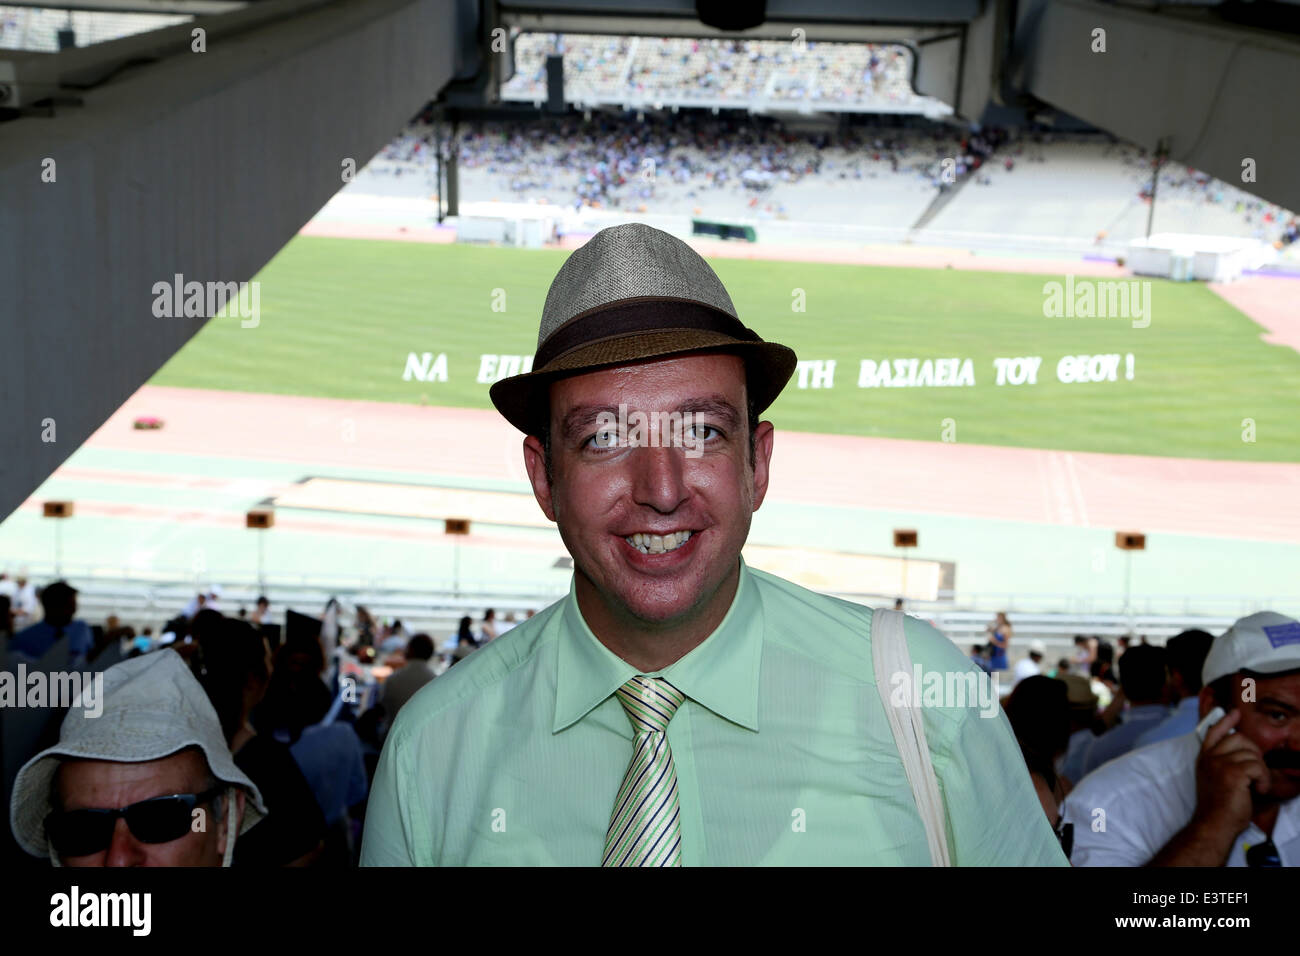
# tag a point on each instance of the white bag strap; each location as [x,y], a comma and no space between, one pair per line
[890,655]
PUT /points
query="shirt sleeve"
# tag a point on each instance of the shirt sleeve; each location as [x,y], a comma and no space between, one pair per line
[993,812]
[994,815]
[1103,834]
[392,835]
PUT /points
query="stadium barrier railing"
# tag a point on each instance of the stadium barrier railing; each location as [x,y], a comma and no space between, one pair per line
[143,598]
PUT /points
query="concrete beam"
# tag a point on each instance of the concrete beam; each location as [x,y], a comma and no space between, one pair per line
[192,7]
[198,164]
[814,31]
[1216,94]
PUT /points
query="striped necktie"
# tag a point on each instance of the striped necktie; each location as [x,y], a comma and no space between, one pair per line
[645,828]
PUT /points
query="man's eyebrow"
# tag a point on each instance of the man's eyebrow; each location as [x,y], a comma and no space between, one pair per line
[580,417]
[1274,702]
[713,406]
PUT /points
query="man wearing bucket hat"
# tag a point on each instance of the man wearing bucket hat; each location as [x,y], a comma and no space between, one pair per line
[1228,799]
[141,776]
[677,707]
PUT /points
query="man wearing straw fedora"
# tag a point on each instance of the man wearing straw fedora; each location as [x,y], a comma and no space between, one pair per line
[679,707]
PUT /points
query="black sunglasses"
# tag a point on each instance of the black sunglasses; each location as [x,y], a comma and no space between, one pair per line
[1264,855]
[156,820]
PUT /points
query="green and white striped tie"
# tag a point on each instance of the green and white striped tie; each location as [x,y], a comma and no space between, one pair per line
[645,829]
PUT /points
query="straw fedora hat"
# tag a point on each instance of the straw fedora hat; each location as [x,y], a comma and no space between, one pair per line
[633,293]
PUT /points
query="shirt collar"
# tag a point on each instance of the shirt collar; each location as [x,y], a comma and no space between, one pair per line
[721,673]
[1147,712]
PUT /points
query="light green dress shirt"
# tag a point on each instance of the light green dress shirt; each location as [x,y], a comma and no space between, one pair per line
[783,752]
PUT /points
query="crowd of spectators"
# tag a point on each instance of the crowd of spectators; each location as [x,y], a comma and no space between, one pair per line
[1177,181]
[272,723]
[618,161]
[727,72]
[660,161]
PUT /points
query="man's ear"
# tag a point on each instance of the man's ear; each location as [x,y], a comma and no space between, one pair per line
[1205,702]
[535,462]
[764,436]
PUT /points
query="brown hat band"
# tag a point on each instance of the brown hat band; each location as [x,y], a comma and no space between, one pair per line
[645,315]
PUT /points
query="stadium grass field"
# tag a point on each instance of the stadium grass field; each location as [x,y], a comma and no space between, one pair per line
[339,318]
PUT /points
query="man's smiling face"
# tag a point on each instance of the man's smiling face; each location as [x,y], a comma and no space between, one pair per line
[603,492]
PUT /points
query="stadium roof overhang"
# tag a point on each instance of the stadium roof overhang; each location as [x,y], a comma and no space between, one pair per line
[126,163]
[191,7]
[820,20]
[1210,87]
[1206,82]
[169,162]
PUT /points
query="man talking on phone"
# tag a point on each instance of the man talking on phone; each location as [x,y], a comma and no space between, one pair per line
[1224,795]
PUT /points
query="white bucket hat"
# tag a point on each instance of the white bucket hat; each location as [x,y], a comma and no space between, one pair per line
[152,707]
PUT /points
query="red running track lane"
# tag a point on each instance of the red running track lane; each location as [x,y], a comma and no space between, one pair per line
[1172,495]
[314,432]
[359,230]
[1269,301]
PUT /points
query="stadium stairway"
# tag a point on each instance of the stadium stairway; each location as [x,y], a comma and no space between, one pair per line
[943,198]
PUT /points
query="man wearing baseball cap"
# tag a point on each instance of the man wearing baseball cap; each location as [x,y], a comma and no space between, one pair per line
[141,776]
[1230,799]
[678,707]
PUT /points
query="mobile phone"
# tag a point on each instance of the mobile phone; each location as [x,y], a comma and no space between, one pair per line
[1208,721]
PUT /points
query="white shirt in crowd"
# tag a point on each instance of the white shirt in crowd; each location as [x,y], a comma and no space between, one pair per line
[22,601]
[1127,810]
[1082,663]
[1025,667]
